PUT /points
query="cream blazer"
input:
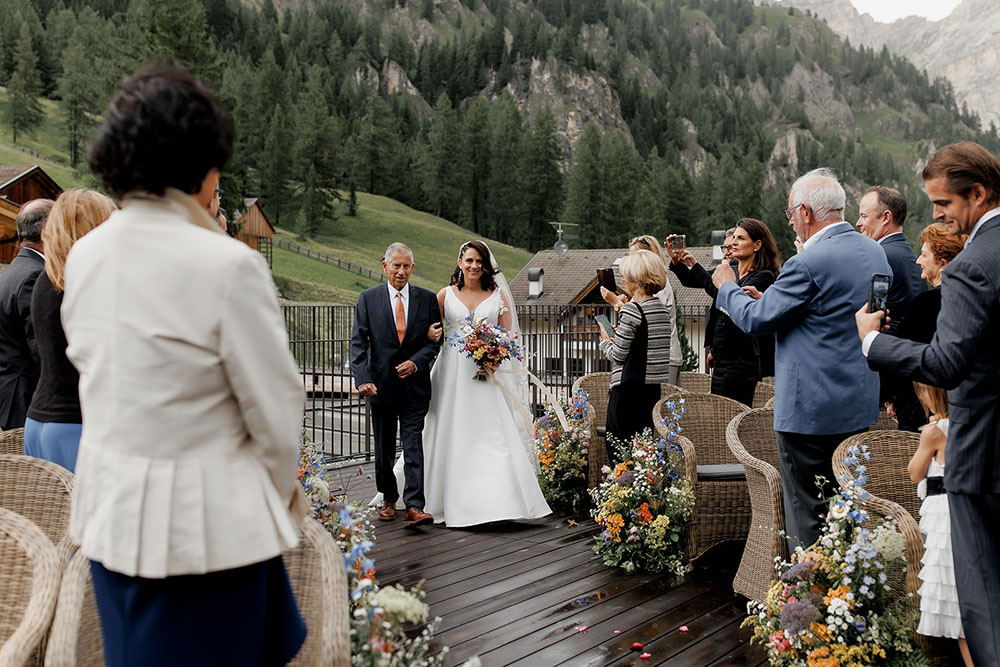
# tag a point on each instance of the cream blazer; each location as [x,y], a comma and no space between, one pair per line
[192,403]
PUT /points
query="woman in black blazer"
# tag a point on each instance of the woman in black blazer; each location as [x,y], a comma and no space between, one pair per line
[739,359]
[937,248]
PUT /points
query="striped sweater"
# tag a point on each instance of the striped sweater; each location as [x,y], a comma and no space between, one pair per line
[640,350]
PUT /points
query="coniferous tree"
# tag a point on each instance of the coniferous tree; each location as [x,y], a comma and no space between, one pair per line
[583,188]
[476,157]
[543,182]
[505,195]
[79,89]
[275,167]
[440,168]
[24,112]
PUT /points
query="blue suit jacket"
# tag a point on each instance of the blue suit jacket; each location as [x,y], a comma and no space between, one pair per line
[376,350]
[906,281]
[963,357]
[822,382]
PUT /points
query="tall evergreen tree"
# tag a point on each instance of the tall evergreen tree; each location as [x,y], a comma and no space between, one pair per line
[583,188]
[24,112]
[275,168]
[543,182]
[440,168]
[79,90]
[476,157]
[505,197]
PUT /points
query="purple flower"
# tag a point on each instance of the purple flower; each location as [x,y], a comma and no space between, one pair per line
[796,616]
[798,570]
[626,478]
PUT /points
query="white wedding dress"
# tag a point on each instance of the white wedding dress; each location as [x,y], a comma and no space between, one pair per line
[476,463]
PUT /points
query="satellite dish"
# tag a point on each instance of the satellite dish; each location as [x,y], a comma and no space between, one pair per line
[561,247]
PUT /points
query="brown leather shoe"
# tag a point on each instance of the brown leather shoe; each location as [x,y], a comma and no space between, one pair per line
[388,512]
[417,517]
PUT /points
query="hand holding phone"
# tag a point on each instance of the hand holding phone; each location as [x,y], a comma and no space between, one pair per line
[604,323]
[878,293]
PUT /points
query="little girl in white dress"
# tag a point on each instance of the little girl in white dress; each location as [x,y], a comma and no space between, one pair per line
[939,611]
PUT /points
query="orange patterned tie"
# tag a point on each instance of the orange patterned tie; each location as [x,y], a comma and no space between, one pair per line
[400,317]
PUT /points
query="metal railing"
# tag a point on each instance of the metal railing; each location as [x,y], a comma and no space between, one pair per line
[561,344]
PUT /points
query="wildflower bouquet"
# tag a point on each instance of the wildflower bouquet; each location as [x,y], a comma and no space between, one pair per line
[831,606]
[379,615]
[488,345]
[562,454]
[644,506]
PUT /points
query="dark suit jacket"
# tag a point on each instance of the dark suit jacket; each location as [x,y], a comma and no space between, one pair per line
[18,352]
[919,325]
[964,358]
[376,350]
[906,282]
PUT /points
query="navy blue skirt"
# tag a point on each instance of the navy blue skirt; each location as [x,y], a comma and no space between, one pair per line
[244,616]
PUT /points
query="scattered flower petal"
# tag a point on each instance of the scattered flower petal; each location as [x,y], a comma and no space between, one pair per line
[636,645]
[684,628]
[581,628]
[618,632]
[645,656]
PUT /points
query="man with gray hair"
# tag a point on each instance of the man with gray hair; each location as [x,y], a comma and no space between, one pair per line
[18,352]
[391,357]
[824,390]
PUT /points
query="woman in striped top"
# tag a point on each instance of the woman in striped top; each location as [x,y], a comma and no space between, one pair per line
[639,349]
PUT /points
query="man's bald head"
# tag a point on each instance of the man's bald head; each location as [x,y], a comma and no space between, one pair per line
[31,219]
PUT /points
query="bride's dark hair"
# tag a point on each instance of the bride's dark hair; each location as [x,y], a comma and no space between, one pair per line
[486,279]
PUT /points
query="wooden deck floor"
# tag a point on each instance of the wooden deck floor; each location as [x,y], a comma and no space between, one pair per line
[517,593]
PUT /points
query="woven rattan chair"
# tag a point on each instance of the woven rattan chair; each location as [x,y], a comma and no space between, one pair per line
[597,386]
[768,380]
[12,441]
[769,403]
[29,581]
[316,570]
[42,491]
[696,382]
[667,389]
[885,423]
[722,502]
[762,394]
[752,440]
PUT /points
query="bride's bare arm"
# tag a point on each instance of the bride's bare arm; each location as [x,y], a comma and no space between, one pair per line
[505,318]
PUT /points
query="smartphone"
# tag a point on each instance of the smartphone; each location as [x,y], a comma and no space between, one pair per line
[606,279]
[606,323]
[878,291]
[679,242]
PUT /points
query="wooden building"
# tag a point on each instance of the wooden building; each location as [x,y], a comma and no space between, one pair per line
[255,229]
[19,185]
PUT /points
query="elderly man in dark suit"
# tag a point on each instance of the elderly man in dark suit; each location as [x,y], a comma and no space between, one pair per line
[391,357]
[882,212]
[963,184]
[824,391]
[18,353]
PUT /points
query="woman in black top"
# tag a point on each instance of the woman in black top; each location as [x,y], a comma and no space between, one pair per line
[739,359]
[938,247]
[52,429]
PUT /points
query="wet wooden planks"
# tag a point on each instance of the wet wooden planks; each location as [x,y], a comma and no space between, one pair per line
[517,593]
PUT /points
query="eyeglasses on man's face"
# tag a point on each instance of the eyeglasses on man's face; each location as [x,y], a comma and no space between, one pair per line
[218,193]
[789,211]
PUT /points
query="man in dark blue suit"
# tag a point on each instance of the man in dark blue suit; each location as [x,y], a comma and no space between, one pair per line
[18,353]
[882,213]
[391,357]
[963,184]
[823,389]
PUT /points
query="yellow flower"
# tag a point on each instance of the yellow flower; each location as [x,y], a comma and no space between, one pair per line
[821,658]
[614,525]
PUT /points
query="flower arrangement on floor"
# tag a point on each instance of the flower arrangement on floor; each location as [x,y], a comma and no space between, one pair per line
[379,615]
[831,606]
[488,345]
[562,454]
[643,505]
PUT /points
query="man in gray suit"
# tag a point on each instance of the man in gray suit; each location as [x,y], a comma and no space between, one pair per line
[882,212]
[824,390]
[963,184]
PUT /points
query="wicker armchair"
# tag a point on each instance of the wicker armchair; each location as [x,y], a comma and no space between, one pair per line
[41,491]
[762,394]
[722,502]
[29,579]
[666,389]
[752,440]
[885,423]
[316,570]
[597,386]
[12,441]
[769,403]
[696,382]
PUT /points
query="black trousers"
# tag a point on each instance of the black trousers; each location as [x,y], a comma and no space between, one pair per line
[409,415]
[803,457]
[735,386]
[975,547]
[630,410]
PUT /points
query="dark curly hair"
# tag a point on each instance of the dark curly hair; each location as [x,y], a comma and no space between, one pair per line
[162,129]
[487,279]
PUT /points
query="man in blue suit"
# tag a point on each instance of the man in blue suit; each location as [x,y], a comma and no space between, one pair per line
[391,358]
[882,211]
[963,184]
[824,390]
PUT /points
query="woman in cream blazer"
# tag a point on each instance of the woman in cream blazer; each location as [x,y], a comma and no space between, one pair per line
[191,401]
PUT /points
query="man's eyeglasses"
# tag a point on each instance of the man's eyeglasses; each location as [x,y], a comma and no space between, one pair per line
[218,193]
[789,211]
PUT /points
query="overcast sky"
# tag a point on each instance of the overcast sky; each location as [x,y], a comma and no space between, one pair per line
[890,10]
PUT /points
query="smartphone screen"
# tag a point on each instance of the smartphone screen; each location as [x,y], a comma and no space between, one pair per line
[878,291]
[679,242]
[606,323]
[606,279]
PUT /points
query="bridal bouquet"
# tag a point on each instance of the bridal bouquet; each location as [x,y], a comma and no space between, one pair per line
[644,506]
[562,454]
[488,345]
[831,604]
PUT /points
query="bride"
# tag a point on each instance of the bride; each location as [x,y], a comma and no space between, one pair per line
[479,465]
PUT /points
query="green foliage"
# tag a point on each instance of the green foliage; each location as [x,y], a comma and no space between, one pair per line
[23,111]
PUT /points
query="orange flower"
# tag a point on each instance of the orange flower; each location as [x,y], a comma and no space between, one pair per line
[835,593]
[622,468]
[821,658]
[643,513]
